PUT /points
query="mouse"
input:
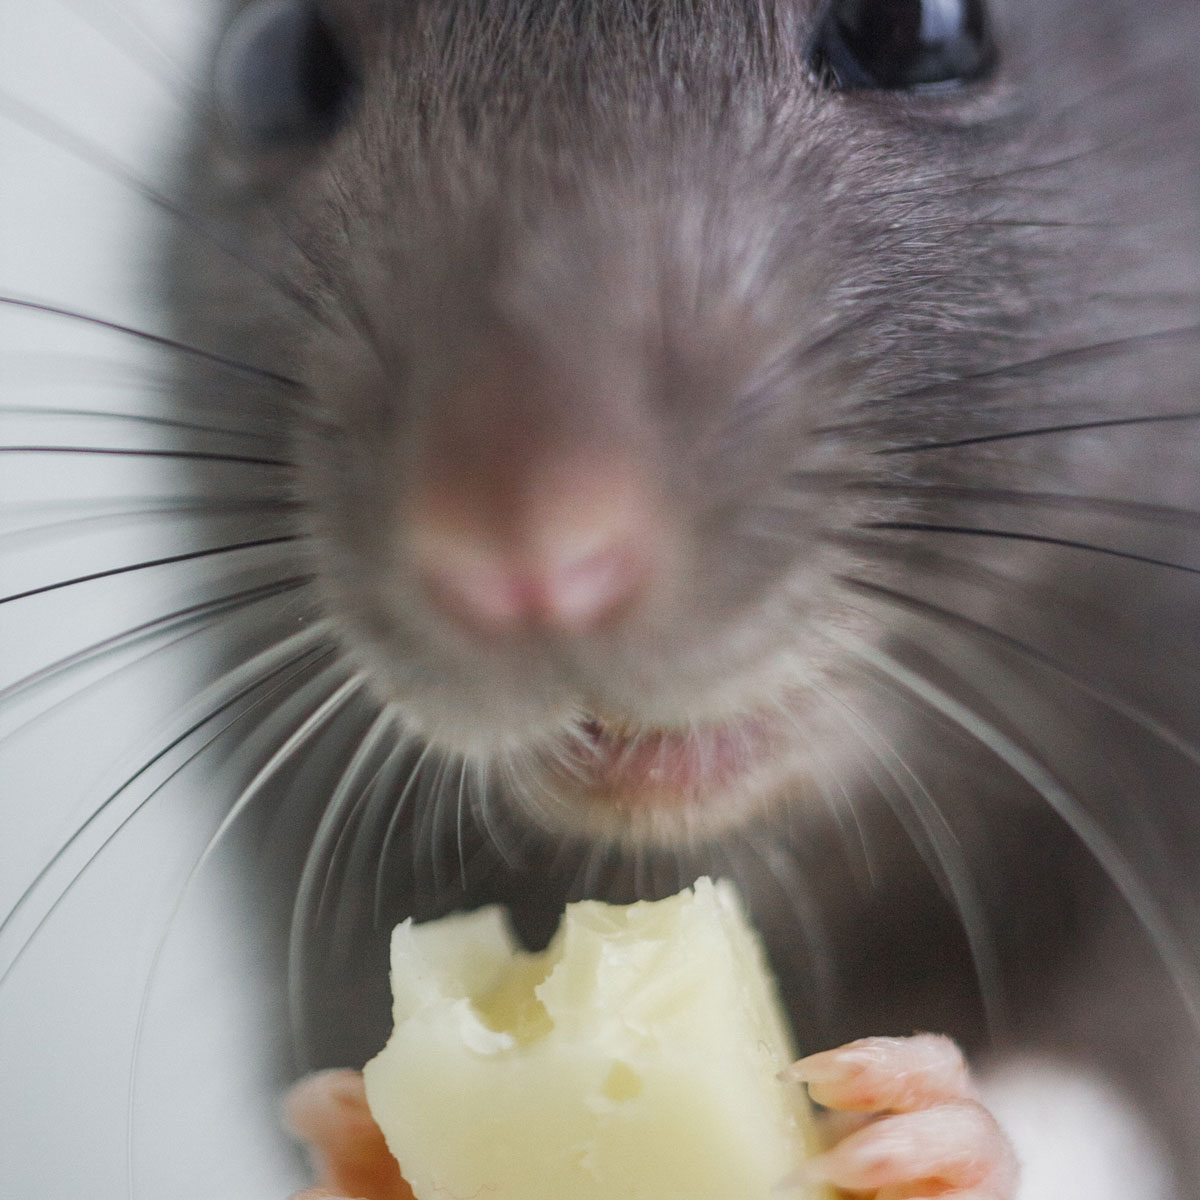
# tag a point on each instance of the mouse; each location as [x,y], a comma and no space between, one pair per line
[758,437]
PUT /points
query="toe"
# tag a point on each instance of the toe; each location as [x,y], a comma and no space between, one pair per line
[952,1146]
[886,1074]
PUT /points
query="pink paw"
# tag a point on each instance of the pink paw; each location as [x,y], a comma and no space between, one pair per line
[927,1137]
[329,1112]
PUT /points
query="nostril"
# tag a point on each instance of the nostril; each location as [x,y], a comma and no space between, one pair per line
[579,593]
[470,588]
[571,555]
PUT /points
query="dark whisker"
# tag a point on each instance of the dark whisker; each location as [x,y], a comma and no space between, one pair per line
[258,505]
[1069,356]
[80,148]
[156,339]
[191,556]
[180,617]
[89,414]
[310,727]
[131,452]
[947,616]
[285,672]
[1134,509]
[1043,430]
[1035,538]
[1012,223]
[894,676]
[966,183]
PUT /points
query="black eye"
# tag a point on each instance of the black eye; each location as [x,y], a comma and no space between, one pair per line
[282,76]
[902,43]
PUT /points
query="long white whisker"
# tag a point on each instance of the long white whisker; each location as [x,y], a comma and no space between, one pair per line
[331,818]
[459,819]
[312,725]
[1172,952]
[393,823]
[948,860]
[488,815]
[786,875]
[1124,708]
[431,826]
[279,659]
[344,796]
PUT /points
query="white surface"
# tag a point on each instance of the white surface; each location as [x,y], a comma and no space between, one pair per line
[1075,1137]
[82,1114]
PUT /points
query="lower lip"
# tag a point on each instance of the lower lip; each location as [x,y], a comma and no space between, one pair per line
[660,768]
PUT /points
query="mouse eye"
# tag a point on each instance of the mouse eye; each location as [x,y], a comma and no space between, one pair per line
[282,76]
[901,44]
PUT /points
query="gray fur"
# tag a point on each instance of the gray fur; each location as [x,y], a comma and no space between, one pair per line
[781,297]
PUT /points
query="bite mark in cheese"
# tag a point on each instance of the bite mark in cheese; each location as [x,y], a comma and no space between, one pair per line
[635,1059]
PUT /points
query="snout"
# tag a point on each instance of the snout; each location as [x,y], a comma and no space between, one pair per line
[567,531]
[522,521]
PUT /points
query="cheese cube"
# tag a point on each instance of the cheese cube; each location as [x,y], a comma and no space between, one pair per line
[635,1059]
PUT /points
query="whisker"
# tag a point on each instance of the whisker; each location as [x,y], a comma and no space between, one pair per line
[292,665]
[489,817]
[1072,356]
[1112,505]
[262,374]
[789,884]
[432,824]
[939,847]
[1041,539]
[381,730]
[202,615]
[1012,435]
[312,725]
[190,556]
[302,905]
[460,832]
[43,531]
[137,452]
[393,825]
[379,796]
[866,876]
[121,32]
[937,613]
[1104,850]
[83,150]
[90,414]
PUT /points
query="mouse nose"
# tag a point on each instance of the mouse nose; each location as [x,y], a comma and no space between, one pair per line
[568,550]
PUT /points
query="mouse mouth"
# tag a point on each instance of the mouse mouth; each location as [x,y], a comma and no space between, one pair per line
[639,769]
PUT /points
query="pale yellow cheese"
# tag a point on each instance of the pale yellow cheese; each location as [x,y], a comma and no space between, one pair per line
[635,1059]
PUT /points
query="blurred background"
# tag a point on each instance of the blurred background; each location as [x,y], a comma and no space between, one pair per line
[102,1091]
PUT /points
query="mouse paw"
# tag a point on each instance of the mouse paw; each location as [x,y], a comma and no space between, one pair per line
[925,1134]
[329,1112]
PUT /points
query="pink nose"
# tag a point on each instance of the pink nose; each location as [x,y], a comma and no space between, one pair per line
[567,549]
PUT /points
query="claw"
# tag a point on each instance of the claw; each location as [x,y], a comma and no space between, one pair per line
[937,1141]
[951,1144]
[886,1074]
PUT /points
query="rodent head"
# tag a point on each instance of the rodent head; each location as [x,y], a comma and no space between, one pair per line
[617,321]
